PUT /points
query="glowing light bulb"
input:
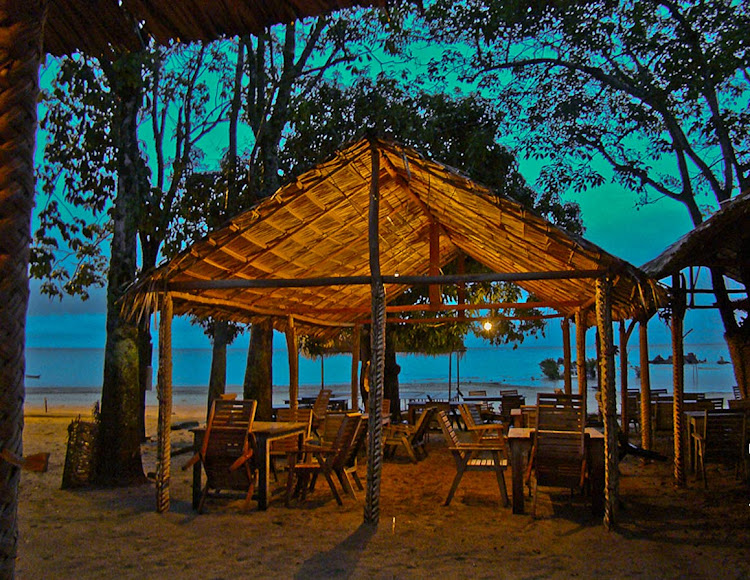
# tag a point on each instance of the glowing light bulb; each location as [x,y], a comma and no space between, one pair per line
[487,325]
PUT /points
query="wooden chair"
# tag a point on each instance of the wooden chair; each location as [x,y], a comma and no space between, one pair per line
[473,421]
[346,469]
[320,408]
[736,392]
[326,459]
[507,405]
[473,457]
[411,437]
[558,452]
[282,447]
[227,450]
[722,441]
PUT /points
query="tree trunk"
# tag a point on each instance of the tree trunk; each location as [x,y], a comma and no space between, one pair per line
[20,53]
[390,378]
[145,360]
[119,461]
[259,372]
[217,382]
[739,351]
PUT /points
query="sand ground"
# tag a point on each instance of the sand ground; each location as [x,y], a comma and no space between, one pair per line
[662,532]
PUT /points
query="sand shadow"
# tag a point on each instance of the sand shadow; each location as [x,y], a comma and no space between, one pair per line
[341,561]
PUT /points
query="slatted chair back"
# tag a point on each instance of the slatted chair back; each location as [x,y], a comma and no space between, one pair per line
[508,403]
[471,415]
[559,458]
[422,425]
[353,446]
[228,448]
[320,406]
[449,434]
[724,436]
[736,392]
[478,393]
[290,444]
[331,427]
[528,416]
[342,443]
[508,392]
[556,412]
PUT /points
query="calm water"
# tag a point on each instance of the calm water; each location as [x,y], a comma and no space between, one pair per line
[74,375]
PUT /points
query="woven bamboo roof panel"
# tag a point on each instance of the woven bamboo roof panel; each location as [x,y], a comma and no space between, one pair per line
[722,241]
[317,227]
[103,27]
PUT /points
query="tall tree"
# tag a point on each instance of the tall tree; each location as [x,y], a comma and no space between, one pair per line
[104,103]
[656,90]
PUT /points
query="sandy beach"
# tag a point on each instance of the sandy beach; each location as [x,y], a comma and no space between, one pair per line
[662,532]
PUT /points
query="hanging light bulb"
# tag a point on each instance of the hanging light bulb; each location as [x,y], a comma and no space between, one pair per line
[487,325]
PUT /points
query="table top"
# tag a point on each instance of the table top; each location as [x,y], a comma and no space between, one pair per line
[527,432]
[265,427]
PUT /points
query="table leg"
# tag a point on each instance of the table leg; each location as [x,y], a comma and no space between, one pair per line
[264,467]
[196,485]
[517,449]
[596,474]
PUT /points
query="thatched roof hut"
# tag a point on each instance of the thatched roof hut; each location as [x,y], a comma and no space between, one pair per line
[332,247]
[304,251]
[28,29]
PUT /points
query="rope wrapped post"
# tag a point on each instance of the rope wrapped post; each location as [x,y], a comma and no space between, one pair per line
[580,322]
[678,377]
[646,441]
[567,374]
[164,394]
[377,347]
[609,402]
[22,23]
[292,349]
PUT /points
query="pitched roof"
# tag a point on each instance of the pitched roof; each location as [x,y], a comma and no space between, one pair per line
[317,227]
[717,242]
[99,27]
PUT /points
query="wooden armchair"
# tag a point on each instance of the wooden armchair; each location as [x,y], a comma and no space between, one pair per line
[473,457]
[722,441]
[559,452]
[411,437]
[473,420]
[282,447]
[326,459]
[227,450]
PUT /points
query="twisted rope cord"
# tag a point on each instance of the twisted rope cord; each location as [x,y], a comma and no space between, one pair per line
[164,393]
[646,440]
[20,53]
[678,378]
[609,401]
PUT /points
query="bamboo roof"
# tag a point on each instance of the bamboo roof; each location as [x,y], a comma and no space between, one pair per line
[722,241]
[101,27]
[317,227]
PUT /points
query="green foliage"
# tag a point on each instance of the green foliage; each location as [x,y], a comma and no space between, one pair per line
[658,91]
[550,369]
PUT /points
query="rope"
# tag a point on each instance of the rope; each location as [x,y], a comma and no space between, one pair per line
[609,401]
[20,53]
[678,377]
[164,393]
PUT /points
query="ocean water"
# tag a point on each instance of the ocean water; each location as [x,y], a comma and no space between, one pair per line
[74,375]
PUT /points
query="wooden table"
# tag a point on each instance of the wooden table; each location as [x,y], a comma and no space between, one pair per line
[520,440]
[264,432]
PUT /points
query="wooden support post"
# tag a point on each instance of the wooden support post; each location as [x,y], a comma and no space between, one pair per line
[580,321]
[356,335]
[609,401]
[377,357]
[567,374]
[434,289]
[461,287]
[678,376]
[645,386]
[164,394]
[292,349]
[624,378]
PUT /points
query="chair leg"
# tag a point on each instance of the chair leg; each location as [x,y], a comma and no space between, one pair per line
[410,451]
[460,468]
[536,495]
[333,487]
[204,495]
